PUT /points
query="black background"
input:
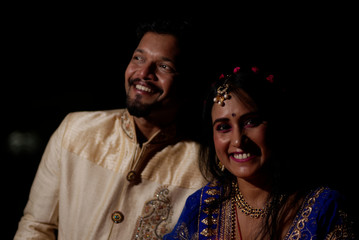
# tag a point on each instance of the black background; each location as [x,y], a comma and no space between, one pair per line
[61,58]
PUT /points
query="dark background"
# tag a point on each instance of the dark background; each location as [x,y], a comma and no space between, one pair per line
[63,58]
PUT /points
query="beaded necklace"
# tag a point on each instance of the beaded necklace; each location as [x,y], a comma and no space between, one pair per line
[245,207]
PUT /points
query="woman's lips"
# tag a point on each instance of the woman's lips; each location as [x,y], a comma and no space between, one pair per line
[241,157]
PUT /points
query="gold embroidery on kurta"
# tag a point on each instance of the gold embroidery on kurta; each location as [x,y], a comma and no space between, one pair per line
[156,215]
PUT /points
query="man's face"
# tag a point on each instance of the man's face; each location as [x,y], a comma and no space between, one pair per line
[150,75]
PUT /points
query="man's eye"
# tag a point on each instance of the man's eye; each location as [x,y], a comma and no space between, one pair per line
[137,58]
[223,127]
[167,68]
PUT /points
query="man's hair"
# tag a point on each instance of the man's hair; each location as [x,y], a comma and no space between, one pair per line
[181,27]
[168,25]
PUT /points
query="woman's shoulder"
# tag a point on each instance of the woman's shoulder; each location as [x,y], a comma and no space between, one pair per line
[324,196]
[211,189]
[325,208]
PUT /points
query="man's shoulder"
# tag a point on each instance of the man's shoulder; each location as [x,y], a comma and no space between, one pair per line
[93,121]
[94,115]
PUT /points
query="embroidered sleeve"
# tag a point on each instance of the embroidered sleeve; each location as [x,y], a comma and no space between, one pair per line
[333,218]
[321,217]
[343,228]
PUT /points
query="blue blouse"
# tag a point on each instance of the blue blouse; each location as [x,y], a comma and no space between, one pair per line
[320,217]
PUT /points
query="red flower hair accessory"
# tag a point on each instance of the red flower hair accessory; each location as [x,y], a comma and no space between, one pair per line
[270,78]
[255,69]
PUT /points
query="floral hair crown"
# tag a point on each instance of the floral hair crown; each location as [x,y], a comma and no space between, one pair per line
[222,90]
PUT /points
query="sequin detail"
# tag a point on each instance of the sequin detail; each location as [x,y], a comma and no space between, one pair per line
[156,216]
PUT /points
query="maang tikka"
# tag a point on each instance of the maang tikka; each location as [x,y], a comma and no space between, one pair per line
[222,90]
[222,93]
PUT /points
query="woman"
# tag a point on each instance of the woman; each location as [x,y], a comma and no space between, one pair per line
[255,191]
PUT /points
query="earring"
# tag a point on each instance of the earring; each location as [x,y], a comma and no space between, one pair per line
[219,164]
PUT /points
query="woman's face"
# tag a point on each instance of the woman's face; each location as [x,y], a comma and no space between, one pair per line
[239,135]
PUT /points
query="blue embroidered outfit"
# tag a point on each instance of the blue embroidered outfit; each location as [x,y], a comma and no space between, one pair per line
[319,217]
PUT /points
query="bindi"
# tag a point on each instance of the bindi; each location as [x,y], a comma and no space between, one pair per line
[233,115]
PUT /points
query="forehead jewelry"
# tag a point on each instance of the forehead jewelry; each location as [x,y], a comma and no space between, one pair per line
[222,94]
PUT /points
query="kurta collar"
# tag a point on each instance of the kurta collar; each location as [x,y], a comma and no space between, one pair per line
[163,135]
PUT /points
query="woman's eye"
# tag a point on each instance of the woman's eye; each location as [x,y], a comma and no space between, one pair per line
[223,127]
[252,122]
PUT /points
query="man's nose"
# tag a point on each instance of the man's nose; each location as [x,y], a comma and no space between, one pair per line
[148,71]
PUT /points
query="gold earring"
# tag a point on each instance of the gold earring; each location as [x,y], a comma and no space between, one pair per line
[219,164]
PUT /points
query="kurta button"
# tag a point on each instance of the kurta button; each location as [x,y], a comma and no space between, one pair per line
[117,217]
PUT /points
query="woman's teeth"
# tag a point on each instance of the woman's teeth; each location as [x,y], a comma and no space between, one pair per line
[241,155]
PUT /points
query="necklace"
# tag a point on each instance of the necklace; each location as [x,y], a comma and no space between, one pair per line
[234,220]
[245,208]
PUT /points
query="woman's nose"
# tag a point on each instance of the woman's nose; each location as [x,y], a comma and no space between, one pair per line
[236,139]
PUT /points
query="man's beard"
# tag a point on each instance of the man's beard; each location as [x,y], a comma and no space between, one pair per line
[138,109]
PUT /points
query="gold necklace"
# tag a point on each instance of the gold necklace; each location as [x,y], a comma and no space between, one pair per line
[245,208]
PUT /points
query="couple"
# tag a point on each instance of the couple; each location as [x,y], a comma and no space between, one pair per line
[133,173]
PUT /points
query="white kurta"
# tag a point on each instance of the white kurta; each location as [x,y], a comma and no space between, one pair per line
[81,181]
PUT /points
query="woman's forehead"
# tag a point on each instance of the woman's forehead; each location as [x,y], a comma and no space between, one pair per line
[233,107]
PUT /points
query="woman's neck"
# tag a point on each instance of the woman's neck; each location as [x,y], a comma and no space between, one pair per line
[256,194]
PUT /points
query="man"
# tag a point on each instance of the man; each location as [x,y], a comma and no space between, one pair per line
[124,173]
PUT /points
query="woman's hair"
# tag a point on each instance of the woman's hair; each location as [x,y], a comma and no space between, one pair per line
[263,93]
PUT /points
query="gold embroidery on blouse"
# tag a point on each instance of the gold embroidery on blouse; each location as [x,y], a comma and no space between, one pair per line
[209,220]
[212,192]
[304,214]
[182,231]
[199,213]
[155,217]
[212,211]
[209,200]
[342,231]
[209,232]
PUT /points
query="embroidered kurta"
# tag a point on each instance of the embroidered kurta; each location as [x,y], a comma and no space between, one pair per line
[320,217]
[81,192]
